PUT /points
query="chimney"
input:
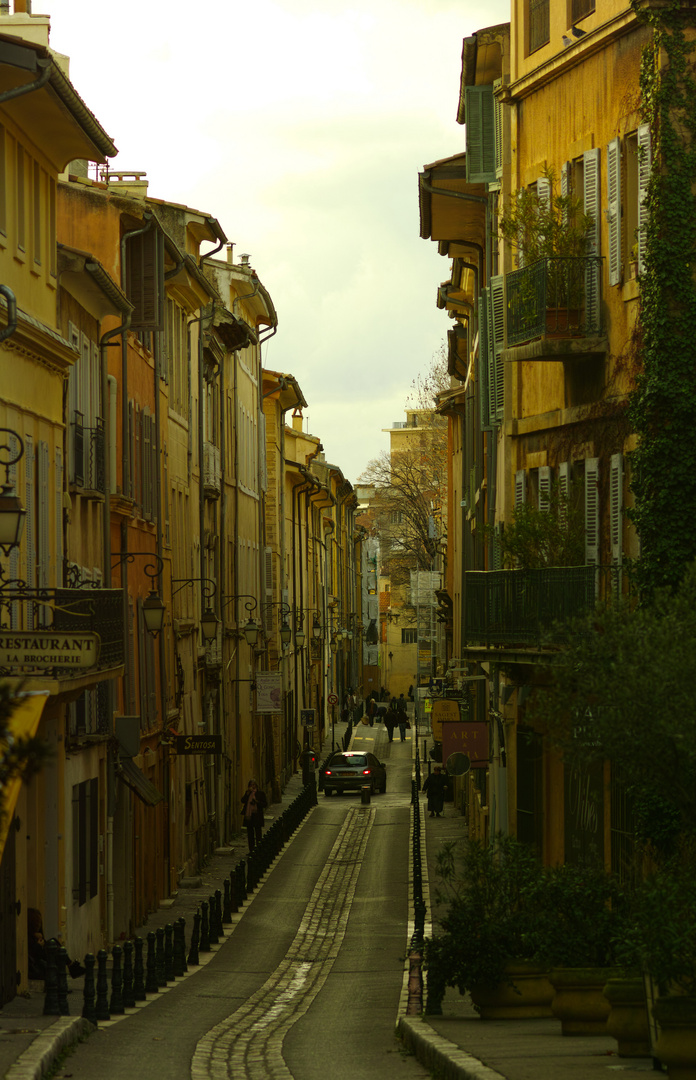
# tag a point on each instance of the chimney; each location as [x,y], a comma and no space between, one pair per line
[230,254]
[244,261]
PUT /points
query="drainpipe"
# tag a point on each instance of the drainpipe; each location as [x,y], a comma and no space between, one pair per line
[19,91]
[125,446]
[11,301]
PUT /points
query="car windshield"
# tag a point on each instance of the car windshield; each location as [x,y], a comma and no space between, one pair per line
[348,762]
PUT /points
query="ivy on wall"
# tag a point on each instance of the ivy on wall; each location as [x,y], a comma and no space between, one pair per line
[662,408]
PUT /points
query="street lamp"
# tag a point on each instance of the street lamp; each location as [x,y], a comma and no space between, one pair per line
[316,628]
[12,513]
[251,628]
[209,620]
[153,607]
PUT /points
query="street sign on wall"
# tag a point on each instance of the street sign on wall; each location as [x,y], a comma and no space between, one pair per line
[269,692]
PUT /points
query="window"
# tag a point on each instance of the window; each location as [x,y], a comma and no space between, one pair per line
[21,206]
[37,235]
[538,24]
[409,637]
[630,240]
[580,9]
[480,136]
[176,358]
[85,853]
[86,437]
[3,182]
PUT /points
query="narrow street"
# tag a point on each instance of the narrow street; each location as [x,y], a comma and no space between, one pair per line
[308,984]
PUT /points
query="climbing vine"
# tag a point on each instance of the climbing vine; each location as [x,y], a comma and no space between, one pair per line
[662,408]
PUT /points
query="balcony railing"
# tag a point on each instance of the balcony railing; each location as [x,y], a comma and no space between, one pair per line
[555,297]
[95,611]
[88,466]
[515,607]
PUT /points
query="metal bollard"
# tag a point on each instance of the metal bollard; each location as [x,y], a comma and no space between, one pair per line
[151,983]
[138,971]
[116,1006]
[102,1002]
[365,795]
[89,1011]
[51,1002]
[128,995]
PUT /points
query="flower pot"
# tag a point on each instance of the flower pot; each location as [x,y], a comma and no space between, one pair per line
[628,1019]
[676,1042]
[579,1002]
[525,994]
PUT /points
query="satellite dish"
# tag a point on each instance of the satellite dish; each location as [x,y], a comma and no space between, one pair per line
[458,764]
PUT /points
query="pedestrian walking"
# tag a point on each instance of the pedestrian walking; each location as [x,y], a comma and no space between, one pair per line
[435,787]
[402,713]
[391,719]
[254,802]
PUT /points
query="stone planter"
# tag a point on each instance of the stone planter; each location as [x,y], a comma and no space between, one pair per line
[676,1042]
[579,1002]
[525,994]
[628,1019]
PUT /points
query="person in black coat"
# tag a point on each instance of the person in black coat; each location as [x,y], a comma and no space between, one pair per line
[254,802]
[435,787]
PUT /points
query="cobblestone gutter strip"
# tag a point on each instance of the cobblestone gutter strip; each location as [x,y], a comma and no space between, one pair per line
[46,1047]
[248,1044]
[439,1054]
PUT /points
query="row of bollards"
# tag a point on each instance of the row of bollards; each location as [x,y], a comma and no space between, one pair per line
[415,956]
[146,966]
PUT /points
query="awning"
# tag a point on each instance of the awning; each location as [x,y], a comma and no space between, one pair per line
[137,781]
[24,723]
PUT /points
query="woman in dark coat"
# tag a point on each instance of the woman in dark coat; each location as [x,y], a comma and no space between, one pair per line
[435,787]
[254,803]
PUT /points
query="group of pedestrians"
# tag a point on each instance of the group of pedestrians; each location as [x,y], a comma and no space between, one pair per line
[397,716]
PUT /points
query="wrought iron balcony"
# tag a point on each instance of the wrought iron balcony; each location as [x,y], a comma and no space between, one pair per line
[554,297]
[520,607]
[88,467]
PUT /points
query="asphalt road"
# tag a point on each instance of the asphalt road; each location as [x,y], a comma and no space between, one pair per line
[308,985]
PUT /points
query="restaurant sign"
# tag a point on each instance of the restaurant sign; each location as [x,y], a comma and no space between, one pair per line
[198,744]
[48,649]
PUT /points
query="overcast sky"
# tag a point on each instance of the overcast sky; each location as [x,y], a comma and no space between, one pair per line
[301,125]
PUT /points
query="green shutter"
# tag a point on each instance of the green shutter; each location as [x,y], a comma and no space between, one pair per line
[483,361]
[592,206]
[496,382]
[480,134]
[644,161]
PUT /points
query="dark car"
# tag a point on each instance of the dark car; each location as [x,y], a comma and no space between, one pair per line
[353,770]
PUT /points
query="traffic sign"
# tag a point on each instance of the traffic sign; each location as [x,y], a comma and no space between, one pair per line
[332,699]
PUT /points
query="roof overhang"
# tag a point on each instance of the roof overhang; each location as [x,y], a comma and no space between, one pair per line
[88,282]
[450,208]
[286,387]
[52,113]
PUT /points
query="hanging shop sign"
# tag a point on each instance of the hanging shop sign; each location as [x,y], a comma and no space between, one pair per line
[269,692]
[198,744]
[444,709]
[48,649]
[470,738]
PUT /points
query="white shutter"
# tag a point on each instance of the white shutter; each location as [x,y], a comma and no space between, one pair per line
[592,511]
[564,488]
[545,487]
[496,378]
[15,618]
[59,515]
[30,525]
[614,209]
[520,487]
[565,185]
[644,164]
[592,206]
[616,518]
[268,588]
[543,185]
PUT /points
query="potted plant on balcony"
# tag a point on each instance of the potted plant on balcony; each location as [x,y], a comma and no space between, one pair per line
[485,944]
[555,228]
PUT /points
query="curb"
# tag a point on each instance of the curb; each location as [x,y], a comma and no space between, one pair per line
[41,1056]
[439,1054]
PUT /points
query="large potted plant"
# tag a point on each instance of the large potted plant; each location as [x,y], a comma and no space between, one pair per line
[580,912]
[485,942]
[661,935]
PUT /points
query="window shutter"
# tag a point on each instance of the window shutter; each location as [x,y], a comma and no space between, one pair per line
[145,279]
[59,515]
[592,511]
[644,164]
[614,209]
[483,363]
[520,487]
[267,569]
[146,465]
[565,185]
[616,518]
[543,186]
[545,487]
[14,554]
[564,488]
[496,385]
[480,134]
[591,206]
[498,130]
[30,524]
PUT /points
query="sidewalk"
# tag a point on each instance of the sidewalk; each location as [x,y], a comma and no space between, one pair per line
[460,1046]
[456,1046]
